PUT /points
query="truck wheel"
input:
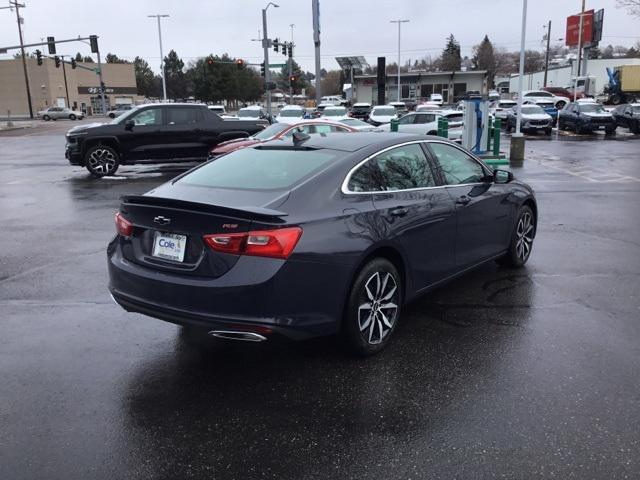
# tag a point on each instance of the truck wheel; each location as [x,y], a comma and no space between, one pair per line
[616,99]
[101,160]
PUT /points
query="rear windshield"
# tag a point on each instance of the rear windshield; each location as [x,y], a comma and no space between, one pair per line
[335,112]
[249,113]
[532,109]
[259,169]
[592,108]
[390,111]
[455,117]
[271,131]
[292,113]
[507,104]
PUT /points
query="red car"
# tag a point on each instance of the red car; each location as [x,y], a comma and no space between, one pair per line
[562,92]
[277,131]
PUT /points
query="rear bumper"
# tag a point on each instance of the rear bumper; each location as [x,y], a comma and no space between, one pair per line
[296,299]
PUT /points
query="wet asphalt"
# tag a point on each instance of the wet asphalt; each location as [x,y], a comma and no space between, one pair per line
[517,374]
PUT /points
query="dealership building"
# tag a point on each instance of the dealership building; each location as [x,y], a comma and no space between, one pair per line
[420,84]
[47,85]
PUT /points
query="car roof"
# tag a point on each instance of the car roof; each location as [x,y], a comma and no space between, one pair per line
[356,141]
[361,104]
[252,107]
[334,107]
[292,107]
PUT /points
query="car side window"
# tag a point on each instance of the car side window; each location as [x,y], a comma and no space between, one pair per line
[425,118]
[182,116]
[150,116]
[457,166]
[335,128]
[406,120]
[400,168]
[321,129]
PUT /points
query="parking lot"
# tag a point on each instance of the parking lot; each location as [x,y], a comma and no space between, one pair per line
[501,374]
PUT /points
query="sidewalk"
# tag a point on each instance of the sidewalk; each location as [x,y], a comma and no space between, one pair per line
[16,125]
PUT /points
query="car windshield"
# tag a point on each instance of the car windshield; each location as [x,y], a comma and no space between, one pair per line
[506,104]
[531,109]
[249,113]
[592,108]
[335,112]
[294,113]
[259,168]
[636,108]
[454,117]
[387,111]
[270,132]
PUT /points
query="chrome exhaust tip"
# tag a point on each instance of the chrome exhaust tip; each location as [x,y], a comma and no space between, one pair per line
[236,335]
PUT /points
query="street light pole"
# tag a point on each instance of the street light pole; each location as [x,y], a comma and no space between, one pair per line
[66,86]
[516,150]
[265,46]
[315,12]
[291,67]
[399,22]
[164,82]
[24,60]
[546,57]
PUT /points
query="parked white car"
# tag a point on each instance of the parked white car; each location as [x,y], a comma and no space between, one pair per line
[382,114]
[290,114]
[332,99]
[219,109]
[358,124]
[56,113]
[426,123]
[436,98]
[500,108]
[541,95]
[334,113]
[254,112]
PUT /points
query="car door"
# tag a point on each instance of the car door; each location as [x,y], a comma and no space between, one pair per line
[182,132]
[483,209]
[142,136]
[413,210]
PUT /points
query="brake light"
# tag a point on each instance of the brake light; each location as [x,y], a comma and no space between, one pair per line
[278,243]
[123,226]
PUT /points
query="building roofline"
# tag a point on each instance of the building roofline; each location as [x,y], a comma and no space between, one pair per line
[423,73]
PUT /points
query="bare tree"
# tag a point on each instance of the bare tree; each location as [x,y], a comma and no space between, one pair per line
[633,6]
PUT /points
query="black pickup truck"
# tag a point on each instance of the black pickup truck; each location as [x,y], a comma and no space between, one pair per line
[162,132]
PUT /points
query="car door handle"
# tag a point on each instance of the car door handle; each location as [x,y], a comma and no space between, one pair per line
[399,211]
[463,200]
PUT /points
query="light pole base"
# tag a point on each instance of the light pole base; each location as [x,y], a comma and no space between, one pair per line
[516,150]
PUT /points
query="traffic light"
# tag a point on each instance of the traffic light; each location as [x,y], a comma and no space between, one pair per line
[262,72]
[39,57]
[73,63]
[57,60]
[239,63]
[93,41]
[276,44]
[284,49]
[291,50]
[51,43]
[292,79]
[210,60]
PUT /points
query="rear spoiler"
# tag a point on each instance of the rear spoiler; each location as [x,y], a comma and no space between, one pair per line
[251,212]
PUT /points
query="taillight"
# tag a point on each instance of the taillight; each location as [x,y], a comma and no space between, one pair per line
[123,226]
[278,243]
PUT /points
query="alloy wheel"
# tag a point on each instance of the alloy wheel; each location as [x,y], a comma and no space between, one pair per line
[102,161]
[378,314]
[524,236]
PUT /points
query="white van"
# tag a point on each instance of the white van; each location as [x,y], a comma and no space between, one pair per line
[332,99]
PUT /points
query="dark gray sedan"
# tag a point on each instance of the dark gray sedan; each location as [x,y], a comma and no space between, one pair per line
[316,235]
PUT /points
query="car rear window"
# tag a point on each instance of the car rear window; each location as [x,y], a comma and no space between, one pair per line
[259,168]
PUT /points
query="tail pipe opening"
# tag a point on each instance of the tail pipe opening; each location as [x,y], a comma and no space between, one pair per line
[238,335]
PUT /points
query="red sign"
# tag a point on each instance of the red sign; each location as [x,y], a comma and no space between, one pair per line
[573,29]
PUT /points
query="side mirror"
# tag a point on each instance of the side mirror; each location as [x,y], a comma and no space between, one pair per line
[129,124]
[502,176]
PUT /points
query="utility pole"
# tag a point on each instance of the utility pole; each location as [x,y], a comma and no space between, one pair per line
[265,46]
[24,59]
[580,39]
[64,73]
[315,11]
[546,57]
[291,67]
[516,153]
[103,100]
[164,82]
[399,22]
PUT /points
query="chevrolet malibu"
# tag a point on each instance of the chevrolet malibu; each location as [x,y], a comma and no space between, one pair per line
[316,235]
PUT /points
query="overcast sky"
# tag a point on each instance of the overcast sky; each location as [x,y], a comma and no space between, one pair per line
[354,27]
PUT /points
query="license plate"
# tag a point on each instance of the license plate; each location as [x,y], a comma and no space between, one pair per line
[169,246]
[601,127]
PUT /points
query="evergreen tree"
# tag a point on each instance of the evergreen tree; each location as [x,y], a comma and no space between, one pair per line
[145,78]
[113,58]
[451,58]
[177,85]
[484,58]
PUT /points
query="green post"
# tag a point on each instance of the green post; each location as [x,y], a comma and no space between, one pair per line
[489,135]
[394,124]
[496,137]
[443,127]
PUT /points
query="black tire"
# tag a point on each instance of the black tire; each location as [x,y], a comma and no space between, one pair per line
[377,289]
[610,131]
[616,99]
[634,127]
[507,128]
[521,242]
[547,131]
[561,125]
[560,105]
[111,115]
[72,117]
[101,160]
[46,118]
